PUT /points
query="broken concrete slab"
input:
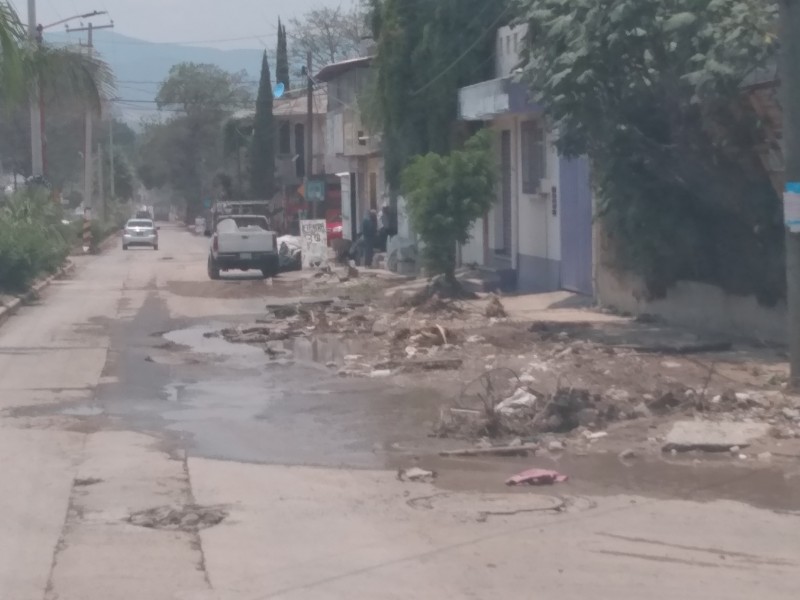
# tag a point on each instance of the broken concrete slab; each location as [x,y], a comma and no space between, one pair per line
[711,436]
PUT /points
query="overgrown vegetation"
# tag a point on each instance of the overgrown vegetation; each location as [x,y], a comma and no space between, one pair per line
[426,52]
[33,240]
[445,195]
[651,91]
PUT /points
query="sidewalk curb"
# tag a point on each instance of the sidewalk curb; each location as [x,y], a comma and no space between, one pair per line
[12,307]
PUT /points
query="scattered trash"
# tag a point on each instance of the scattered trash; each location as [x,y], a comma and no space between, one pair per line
[417,475]
[521,401]
[537,477]
[595,435]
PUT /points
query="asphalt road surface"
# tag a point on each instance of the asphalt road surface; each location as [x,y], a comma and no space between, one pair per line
[113,403]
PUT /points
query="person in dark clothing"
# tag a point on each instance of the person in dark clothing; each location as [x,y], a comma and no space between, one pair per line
[369,234]
[388,225]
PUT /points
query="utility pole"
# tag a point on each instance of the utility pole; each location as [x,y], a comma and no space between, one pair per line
[87,142]
[112,184]
[310,130]
[37,156]
[790,101]
[38,138]
[100,183]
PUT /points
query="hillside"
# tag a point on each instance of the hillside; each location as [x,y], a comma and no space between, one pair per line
[140,66]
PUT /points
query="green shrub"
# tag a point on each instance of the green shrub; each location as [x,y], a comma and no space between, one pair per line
[33,240]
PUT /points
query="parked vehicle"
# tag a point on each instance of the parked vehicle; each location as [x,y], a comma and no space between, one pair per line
[161,213]
[243,242]
[222,210]
[334,228]
[140,232]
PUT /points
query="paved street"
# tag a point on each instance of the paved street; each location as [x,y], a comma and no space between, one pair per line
[112,402]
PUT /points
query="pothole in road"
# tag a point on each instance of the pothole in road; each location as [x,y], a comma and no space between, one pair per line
[190,517]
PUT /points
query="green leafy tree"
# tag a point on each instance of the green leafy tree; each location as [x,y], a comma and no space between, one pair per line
[61,72]
[445,195]
[426,51]
[262,150]
[282,58]
[183,151]
[651,91]
[66,78]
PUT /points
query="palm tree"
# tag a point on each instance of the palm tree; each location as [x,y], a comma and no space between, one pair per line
[62,73]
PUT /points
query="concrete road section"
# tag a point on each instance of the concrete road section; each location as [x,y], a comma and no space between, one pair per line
[142,459]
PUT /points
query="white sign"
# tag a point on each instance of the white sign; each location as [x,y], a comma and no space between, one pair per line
[314,243]
[791,206]
[347,218]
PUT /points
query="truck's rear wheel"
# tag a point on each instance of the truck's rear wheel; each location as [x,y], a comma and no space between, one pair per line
[213,268]
[271,269]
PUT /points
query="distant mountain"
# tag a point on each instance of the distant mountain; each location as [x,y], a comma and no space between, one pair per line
[141,66]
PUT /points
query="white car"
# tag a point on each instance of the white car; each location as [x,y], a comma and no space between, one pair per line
[140,232]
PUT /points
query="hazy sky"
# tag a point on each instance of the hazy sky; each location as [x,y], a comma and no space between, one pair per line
[223,24]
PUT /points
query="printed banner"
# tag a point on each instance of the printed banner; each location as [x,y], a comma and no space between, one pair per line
[314,243]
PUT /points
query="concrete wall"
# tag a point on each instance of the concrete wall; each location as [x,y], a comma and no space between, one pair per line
[539,250]
[699,306]
[507,50]
[536,232]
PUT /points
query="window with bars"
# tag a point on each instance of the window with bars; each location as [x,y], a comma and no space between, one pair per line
[533,156]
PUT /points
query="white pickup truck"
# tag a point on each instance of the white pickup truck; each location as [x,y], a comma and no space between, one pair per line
[243,242]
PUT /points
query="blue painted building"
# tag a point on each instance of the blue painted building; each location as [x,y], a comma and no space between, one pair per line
[538,235]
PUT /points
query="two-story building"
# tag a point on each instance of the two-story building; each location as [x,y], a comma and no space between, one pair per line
[538,234]
[353,152]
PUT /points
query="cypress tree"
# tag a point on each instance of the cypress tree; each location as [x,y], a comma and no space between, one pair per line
[262,150]
[282,60]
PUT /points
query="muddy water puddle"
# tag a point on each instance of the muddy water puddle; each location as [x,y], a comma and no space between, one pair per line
[246,404]
[774,487]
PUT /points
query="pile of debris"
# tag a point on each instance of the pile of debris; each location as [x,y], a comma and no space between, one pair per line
[500,403]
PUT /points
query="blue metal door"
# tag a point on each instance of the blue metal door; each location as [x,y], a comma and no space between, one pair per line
[576,225]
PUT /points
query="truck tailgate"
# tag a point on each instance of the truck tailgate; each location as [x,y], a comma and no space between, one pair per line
[255,240]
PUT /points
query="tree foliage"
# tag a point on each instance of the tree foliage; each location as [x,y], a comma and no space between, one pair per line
[182,151]
[650,90]
[282,58]
[63,73]
[331,34]
[427,50]
[262,150]
[445,195]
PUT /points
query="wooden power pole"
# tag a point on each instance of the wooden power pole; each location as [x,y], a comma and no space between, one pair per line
[310,131]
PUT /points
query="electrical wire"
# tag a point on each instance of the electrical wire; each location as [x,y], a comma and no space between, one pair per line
[464,54]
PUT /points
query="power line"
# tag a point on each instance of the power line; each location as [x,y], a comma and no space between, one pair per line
[464,54]
[133,42]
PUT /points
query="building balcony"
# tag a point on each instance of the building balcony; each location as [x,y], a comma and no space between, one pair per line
[488,100]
